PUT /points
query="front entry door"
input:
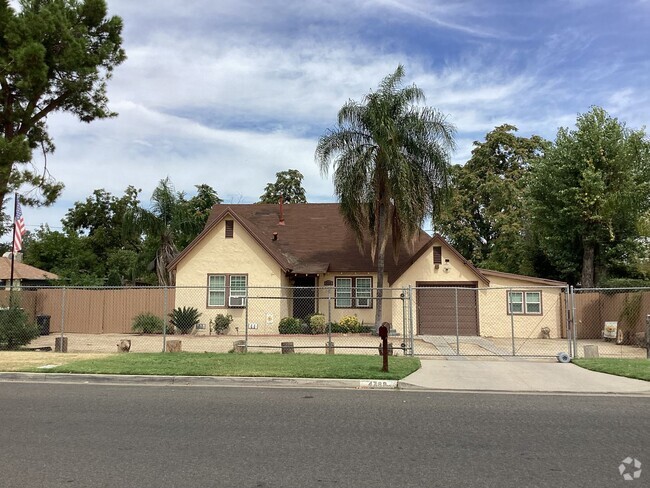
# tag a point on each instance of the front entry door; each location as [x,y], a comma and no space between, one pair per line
[304,297]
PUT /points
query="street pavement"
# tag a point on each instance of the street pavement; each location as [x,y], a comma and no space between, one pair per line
[89,435]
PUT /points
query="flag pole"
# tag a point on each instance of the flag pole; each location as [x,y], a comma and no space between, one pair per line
[13,245]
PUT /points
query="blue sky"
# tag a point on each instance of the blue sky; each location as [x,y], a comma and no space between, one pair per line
[230,92]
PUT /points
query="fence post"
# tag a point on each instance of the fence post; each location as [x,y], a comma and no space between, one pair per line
[569,321]
[647,336]
[246,319]
[512,319]
[411,321]
[575,327]
[62,316]
[404,319]
[164,344]
[329,315]
[456,311]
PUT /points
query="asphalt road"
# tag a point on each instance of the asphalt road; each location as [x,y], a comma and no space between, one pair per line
[145,436]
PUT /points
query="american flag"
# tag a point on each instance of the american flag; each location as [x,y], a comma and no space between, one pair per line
[19,228]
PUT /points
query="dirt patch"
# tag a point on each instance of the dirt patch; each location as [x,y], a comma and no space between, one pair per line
[19,360]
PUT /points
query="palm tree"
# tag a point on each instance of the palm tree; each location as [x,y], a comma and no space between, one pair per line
[162,222]
[390,159]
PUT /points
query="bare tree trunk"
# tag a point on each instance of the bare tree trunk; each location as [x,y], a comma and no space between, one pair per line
[381,252]
[588,270]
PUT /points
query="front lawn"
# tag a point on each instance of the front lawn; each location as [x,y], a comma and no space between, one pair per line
[250,364]
[631,368]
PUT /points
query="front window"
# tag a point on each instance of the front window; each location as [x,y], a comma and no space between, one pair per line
[364,292]
[237,290]
[353,292]
[344,292]
[525,302]
[216,290]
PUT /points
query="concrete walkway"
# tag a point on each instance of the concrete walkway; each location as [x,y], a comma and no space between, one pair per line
[518,376]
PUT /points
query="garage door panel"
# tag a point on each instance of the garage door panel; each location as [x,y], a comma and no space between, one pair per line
[439,308]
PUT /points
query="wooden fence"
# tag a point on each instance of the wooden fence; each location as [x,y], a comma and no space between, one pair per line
[593,309]
[92,311]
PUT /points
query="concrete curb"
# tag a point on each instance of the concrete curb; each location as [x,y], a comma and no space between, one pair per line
[194,380]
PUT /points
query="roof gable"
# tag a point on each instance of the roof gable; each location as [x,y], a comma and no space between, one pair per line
[438,239]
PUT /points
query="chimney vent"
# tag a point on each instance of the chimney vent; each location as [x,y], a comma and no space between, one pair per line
[281,222]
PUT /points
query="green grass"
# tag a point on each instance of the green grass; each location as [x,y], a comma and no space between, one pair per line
[251,364]
[631,368]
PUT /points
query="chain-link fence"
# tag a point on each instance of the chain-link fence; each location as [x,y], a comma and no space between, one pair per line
[498,321]
[611,322]
[433,320]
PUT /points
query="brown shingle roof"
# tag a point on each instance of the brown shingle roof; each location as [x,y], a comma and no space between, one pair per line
[313,239]
[23,271]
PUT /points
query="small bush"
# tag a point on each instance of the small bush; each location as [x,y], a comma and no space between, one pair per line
[15,328]
[184,319]
[317,324]
[147,323]
[221,323]
[350,323]
[290,325]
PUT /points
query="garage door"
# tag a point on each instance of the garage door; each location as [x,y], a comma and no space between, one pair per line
[436,307]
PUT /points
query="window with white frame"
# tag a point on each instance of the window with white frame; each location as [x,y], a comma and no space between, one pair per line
[216,290]
[525,302]
[343,293]
[363,292]
[227,290]
[237,297]
[353,292]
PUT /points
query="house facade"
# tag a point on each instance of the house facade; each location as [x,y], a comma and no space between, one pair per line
[260,263]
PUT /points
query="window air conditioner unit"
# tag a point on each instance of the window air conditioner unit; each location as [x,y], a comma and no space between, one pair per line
[237,301]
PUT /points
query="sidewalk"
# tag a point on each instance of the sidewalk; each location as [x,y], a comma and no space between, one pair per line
[518,376]
[435,375]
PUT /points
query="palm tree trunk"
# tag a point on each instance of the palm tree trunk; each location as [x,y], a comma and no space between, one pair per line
[381,252]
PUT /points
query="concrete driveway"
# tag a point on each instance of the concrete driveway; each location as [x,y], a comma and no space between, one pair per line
[518,376]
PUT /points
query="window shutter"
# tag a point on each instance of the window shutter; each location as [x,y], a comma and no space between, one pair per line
[230,225]
[437,255]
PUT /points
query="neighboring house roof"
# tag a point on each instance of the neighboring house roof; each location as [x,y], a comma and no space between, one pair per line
[23,271]
[532,279]
[314,238]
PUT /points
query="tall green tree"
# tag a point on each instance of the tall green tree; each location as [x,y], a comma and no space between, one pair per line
[196,211]
[55,55]
[288,186]
[486,220]
[169,220]
[588,195]
[101,217]
[390,159]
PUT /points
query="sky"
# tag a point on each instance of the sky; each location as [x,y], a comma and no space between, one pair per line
[228,93]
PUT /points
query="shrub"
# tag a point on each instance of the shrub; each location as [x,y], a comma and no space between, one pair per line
[16,329]
[290,325]
[221,323]
[350,323]
[184,319]
[147,323]
[317,324]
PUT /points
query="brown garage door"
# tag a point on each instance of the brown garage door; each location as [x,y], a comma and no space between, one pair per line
[436,308]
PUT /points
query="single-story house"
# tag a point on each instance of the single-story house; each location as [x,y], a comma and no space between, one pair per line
[24,274]
[303,259]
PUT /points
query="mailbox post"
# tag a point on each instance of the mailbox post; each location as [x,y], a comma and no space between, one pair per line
[383,333]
